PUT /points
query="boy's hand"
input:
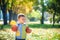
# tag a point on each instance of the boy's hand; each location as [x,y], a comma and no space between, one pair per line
[14,28]
[28,30]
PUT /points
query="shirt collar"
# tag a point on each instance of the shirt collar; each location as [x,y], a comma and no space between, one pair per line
[19,23]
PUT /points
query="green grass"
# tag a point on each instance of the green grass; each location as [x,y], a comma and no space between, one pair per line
[44,26]
[35,26]
[36,34]
[42,34]
[5,26]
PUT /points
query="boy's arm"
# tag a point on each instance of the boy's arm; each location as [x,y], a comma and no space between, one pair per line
[28,30]
[14,28]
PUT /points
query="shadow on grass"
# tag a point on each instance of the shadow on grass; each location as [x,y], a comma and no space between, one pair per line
[43,26]
[34,26]
[4,26]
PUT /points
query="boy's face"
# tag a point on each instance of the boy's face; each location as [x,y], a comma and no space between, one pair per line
[22,20]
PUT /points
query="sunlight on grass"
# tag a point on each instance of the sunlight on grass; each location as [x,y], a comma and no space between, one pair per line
[36,34]
[44,34]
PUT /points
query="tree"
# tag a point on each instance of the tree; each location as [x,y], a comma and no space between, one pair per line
[24,6]
[37,7]
[42,19]
[34,14]
[15,7]
[4,10]
[18,6]
[55,6]
[9,7]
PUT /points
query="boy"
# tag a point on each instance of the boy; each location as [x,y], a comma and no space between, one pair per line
[21,28]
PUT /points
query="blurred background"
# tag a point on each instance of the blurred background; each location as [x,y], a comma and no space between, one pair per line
[43,17]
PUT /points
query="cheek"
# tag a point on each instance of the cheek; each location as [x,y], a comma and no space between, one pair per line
[24,20]
[20,20]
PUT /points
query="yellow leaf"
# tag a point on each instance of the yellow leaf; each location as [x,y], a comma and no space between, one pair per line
[13,22]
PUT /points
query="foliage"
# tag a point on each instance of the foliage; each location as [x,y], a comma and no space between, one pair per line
[54,6]
[36,14]
[21,6]
[50,20]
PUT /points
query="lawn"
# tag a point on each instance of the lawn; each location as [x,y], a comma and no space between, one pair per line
[44,26]
[39,32]
[44,34]
[36,34]
[36,26]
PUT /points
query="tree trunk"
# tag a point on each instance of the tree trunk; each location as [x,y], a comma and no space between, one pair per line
[11,12]
[4,11]
[4,16]
[42,19]
[54,18]
[0,12]
[54,14]
[15,16]
[10,15]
